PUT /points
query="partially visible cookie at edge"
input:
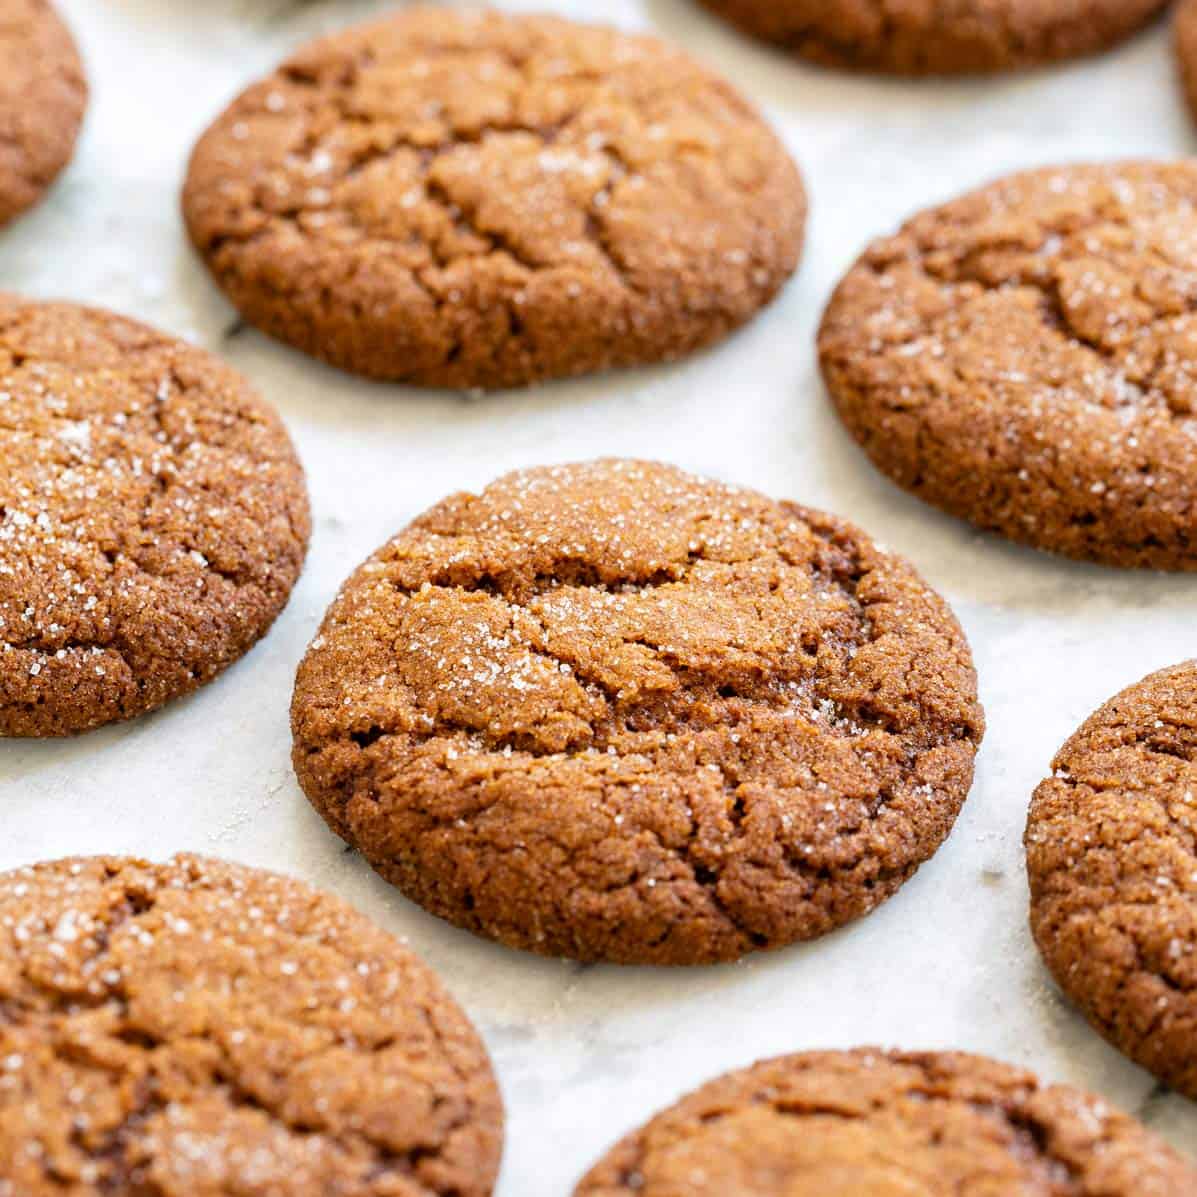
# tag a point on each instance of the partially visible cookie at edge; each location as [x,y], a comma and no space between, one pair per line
[964,38]
[1025,357]
[198,1027]
[889,1124]
[43,94]
[153,517]
[471,199]
[1184,36]
[613,711]
[1112,862]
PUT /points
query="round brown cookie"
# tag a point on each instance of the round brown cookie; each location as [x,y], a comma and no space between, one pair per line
[1026,357]
[153,518]
[842,1124]
[1112,861]
[465,198]
[43,93]
[196,1027]
[1184,33]
[612,711]
[918,37]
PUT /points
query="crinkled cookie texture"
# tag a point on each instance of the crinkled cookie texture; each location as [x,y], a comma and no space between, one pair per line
[939,37]
[1112,859]
[1184,33]
[1026,358]
[153,518]
[199,1029]
[612,711]
[43,93]
[846,1124]
[469,199]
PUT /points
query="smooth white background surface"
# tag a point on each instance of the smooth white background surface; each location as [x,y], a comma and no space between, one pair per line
[585,1054]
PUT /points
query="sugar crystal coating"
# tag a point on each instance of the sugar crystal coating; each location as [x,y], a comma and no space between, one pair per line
[614,711]
[196,1027]
[153,518]
[889,1124]
[472,199]
[1026,357]
[1112,859]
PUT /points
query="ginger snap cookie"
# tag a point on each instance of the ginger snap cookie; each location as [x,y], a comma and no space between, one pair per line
[153,518]
[1025,357]
[889,1124]
[1184,34]
[911,37]
[471,199]
[1112,862]
[197,1027]
[612,711]
[43,93]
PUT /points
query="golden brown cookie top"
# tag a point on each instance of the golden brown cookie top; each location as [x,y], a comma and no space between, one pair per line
[842,1124]
[1026,357]
[918,37]
[43,93]
[199,1027]
[1112,859]
[153,517]
[467,198]
[615,711]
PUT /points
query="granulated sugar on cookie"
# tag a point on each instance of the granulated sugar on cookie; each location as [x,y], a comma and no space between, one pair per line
[153,518]
[470,199]
[1025,357]
[613,711]
[196,1027]
[889,1124]
[1113,870]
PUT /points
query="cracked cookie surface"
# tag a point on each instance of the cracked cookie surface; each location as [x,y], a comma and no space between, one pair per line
[1025,357]
[612,711]
[1112,860]
[939,37]
[43,94]
[195,1027]
[153,518]
[839,1124]
[469,199]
